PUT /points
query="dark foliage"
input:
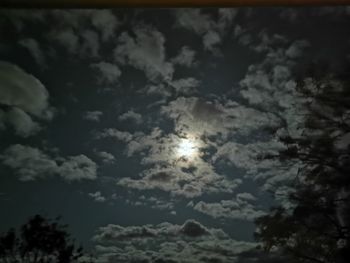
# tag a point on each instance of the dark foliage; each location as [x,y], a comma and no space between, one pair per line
[317,228]
[40,240]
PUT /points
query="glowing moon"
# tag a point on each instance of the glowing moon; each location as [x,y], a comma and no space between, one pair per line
[187,148]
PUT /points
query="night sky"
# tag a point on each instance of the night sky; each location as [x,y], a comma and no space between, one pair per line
[143,128]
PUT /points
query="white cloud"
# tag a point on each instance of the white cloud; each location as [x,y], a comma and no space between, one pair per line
[193,19]
[210,39]
[35,51]
[212,31]
[145,52]
[186,86]
[166,242]
[131,115]
[66,38]
[185,57]
[296,49]
[110,73]
[24,97]
[31,163]
[239,208]
[119,135]
[97,196]
[165,170]
[106,157]
[22,123]
[93,115]
[90,43]
[106,22]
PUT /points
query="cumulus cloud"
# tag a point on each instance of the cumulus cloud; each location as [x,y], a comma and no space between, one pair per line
[106,157]
[166,242]
[131,115]
[93,115]
[23,98]
[241,207]
[145,51]
[105,22]
[168,172]
[210,39]
[185,57]
[22,123]
[31,163]
[90,43]
[193,19]
[35,51]
[98,197]
[212,31]
[185,86]
[210,117]
[109,73]
[66,38]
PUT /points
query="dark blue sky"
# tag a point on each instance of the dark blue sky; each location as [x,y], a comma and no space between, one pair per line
[132,123]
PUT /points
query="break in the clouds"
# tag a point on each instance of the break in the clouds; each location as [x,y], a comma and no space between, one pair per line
[162,119]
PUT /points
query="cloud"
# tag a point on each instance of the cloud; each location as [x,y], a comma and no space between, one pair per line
[166,242]
[66,38]
[131,115]
[106,157]
[207,117]
[296,49]
[105,22]
[185,57]
[31,163]
[186,86]
[78,31]
[109,73]
[239,208]
[23,98]
[193,19]
[115,133]
[90,43]
[22,123]
[97,196]
[210,39]
[35,51]
[93,115]
[166,171]
[145,51]
[212,31]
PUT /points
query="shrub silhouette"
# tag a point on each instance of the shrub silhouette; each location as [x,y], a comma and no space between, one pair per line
[40,240]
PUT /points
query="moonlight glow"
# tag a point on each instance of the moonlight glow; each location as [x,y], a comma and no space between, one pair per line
[187,148]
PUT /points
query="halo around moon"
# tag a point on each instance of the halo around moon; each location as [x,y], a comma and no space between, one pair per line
[187,148]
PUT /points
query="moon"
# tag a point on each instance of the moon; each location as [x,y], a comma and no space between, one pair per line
[187,148]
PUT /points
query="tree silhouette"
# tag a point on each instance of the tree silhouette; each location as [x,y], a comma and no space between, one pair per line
[40,240]
[317,228]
